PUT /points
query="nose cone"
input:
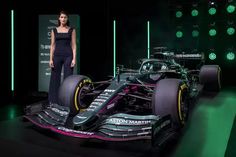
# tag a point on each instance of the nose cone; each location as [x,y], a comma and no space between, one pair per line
[83,118]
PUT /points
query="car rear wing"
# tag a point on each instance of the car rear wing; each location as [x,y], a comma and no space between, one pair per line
[183,56]
[188,60]
[192,56]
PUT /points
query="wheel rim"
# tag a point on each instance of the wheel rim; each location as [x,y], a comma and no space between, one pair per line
[83,100]
[82,88]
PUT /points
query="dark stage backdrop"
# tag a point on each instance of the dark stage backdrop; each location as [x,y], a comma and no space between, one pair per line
[93,43]
[5,64]
[96,35]
[132,18]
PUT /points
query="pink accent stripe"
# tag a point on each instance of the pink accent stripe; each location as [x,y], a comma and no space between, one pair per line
[92,136]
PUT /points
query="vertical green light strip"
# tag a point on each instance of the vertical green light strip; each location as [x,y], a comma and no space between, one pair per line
[12,50]
[114,48]
[148,39]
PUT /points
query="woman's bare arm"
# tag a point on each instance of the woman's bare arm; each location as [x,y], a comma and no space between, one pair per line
[73,45]
[52,48]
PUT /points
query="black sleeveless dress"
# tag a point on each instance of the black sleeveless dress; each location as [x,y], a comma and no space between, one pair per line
[63,43]
[62,57]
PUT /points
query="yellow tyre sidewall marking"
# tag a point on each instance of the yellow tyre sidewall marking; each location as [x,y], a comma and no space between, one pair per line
[79,87]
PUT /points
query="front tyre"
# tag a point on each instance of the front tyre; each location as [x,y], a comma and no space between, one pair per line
[171,98]
[72,92]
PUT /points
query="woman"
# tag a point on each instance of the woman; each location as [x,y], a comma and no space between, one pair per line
[62,53]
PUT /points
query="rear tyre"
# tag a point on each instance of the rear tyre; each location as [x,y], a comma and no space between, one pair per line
[72,90]
[210,77]
[170,98]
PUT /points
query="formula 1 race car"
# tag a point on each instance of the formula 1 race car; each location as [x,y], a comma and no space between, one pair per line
[149,103]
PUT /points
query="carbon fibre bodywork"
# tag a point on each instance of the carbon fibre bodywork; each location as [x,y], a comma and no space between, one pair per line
[117,127]
[120,109]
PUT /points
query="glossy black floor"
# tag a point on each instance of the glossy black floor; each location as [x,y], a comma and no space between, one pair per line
[20,138]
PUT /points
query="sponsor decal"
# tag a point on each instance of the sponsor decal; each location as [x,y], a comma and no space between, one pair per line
[105,94]
[92,106]
[89,109]
[103,97]
[119,121]
[188,55]
[62,113]
[110,106]
[45,47]
[48,74]
[143,133]
[96,103]
[55,22]
[44,62]
[48,69]
[44,54]
[75,131]
[100,100]
[81,117]
[51,27]
[147,128]
[49,35]
[109,90]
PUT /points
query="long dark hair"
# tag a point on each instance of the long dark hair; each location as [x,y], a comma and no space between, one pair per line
[65,13]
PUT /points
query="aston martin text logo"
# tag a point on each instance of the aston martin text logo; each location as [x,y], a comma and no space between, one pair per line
[119,121]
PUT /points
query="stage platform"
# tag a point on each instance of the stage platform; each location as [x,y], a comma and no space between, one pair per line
[206,134]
